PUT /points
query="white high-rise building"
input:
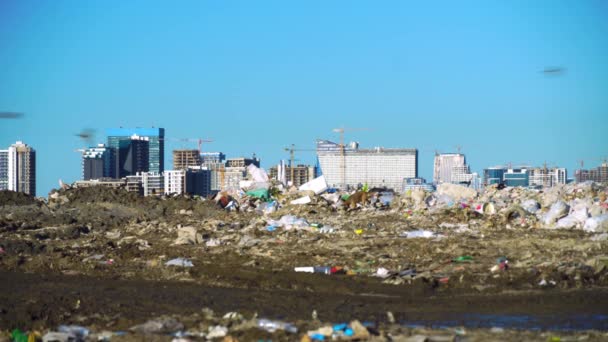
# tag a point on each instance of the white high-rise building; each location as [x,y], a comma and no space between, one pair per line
[461,174]
[377,167]
[547,177]
[444,163]
[18,168]
[175,181]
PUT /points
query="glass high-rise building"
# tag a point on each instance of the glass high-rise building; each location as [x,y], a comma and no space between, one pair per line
[120,139]
[98,162]
[3,169]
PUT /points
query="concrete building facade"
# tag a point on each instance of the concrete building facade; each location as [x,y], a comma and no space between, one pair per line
[301,174]
[182,159]
[189,181]
[547,177]
[153,184]
[443,165]
[350,166]
[212,158]
[598,174]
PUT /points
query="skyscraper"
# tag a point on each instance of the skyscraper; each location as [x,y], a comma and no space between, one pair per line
[120,140]
[18,169]
[98,162]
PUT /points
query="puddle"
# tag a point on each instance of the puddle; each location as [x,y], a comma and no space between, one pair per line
[527,322]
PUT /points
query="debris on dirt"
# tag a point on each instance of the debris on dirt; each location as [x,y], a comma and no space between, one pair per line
[454,241]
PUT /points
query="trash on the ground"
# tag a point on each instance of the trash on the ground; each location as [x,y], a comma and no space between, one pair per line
[302,200]
[257,174]
[421,234]
[80,332]
[161,325]
[53,336]
[259,193]
[558,210]
[290,222]
[19,336]
[463,258]
[317,185]
[217,331]
[596,224]
[183,262]
[274,325]
[382,273]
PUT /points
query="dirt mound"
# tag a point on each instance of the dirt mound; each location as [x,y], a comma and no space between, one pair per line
[16,198]
[101,194]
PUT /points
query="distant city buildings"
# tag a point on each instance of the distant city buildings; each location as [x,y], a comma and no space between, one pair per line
[182,159]
[132,157]
[208,158]
[518,176]
[547,177]
[98,162]
[349,166]
[18,168]
[3,170]
[410,184]
[188,181]
[525,176]
[301,173]
[133,146]
[598,174]
[236,171]
[493,175]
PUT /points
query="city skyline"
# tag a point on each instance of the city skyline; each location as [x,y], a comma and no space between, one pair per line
[386,167]
[509,82]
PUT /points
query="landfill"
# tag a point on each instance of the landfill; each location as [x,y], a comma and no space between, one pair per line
[271,262]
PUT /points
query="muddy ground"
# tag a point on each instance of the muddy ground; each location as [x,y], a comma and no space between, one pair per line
[96,258]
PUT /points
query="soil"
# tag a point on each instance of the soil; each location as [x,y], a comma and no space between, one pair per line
[96,258]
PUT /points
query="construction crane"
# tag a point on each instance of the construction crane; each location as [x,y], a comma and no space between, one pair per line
[341,131]
[291,151]
[199,141]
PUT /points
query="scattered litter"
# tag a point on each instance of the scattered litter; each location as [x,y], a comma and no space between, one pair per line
[421,234]
[272,326]
[179,262]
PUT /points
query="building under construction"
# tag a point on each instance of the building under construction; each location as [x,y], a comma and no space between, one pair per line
[547,176]
[182,159]
[599,174]
[349,166]
[301,174]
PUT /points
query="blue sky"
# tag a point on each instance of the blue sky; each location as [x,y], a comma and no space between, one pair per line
[256,76]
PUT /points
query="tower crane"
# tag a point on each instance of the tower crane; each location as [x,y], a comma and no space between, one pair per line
[291,151]
[341,131]
[199,141]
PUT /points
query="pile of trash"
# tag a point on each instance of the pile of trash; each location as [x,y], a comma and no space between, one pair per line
[580,206]
[234,327]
